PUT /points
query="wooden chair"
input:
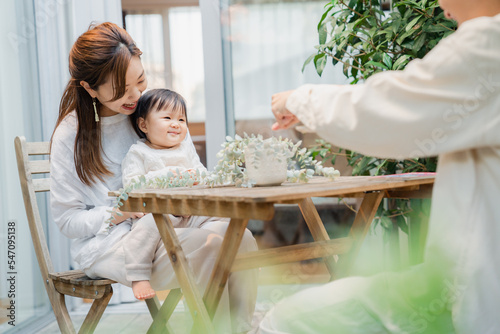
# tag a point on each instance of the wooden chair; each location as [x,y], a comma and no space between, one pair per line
[74,282]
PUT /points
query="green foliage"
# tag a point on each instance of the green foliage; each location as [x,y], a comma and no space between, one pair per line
[365,165]
[367,40]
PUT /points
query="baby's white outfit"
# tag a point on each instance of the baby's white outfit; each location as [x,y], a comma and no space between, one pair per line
[142,160]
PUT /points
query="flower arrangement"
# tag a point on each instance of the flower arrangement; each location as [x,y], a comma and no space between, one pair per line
[232,167]
[239,157]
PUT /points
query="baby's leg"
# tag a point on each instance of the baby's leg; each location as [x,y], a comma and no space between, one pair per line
[199,221]
[139,249]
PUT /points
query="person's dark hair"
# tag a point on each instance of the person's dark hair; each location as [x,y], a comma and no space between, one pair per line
[101,53]
[156,99]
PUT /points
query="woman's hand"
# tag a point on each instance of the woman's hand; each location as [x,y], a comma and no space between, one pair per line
[125,215]
[284,118]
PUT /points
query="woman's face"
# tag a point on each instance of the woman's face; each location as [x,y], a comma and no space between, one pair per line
[136,83]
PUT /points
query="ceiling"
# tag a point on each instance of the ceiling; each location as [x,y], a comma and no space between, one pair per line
[156,4]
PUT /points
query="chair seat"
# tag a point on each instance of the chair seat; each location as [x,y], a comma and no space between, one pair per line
[75,283]
[78,277]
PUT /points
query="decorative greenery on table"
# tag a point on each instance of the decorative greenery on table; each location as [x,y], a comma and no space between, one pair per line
[367,40]
[230,168]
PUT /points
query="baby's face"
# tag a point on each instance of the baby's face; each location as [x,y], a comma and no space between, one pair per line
[165,128]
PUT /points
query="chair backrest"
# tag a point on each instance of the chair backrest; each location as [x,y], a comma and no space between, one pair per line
[30,187]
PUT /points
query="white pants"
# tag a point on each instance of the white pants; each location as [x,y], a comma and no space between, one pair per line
[200,246]
[140,249]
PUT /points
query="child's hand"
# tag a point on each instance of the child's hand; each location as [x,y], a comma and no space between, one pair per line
[125,215]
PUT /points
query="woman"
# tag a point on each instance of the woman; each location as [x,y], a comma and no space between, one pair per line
[92,136]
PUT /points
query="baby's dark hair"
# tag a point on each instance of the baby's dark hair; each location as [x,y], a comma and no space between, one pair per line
[158,99]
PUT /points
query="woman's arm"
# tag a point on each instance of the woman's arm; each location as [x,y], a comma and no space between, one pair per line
[436,105]
[70,199]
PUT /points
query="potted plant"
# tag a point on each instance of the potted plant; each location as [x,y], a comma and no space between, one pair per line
[246,161]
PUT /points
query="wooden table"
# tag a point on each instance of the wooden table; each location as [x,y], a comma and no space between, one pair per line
[242,204]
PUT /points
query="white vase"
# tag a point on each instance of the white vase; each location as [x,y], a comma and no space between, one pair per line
[265,169]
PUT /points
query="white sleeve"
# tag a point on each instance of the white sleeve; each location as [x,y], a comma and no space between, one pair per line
[132,166]
[74,217]
[439,104]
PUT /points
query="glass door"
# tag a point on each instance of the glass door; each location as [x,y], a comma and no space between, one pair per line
[263,46]
[170,38]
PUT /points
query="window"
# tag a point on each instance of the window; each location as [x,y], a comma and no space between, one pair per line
[171,42]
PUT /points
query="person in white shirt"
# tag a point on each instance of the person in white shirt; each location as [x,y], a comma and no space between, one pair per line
[446,104]
[92,136]
[160,120]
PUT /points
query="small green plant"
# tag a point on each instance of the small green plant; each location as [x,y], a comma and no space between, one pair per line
[230,168]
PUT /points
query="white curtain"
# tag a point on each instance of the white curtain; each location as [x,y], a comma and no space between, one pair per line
[36,38]
[171,42]
[269,43]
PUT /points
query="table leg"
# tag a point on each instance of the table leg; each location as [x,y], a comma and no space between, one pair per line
[417,233]
[318,231]
[223,263]
[202,321]
[360,228]
[162,315]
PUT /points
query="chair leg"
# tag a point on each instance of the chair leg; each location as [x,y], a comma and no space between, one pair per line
[61,312]
[96,311]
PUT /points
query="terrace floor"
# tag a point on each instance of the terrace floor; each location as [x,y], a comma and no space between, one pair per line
[134,317]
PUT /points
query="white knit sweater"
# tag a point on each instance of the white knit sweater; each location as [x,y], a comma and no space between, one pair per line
[78,210]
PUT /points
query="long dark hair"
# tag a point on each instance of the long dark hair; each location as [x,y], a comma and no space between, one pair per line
[102,52]
[158,99]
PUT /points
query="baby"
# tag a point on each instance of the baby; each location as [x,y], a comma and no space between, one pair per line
[165,146]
